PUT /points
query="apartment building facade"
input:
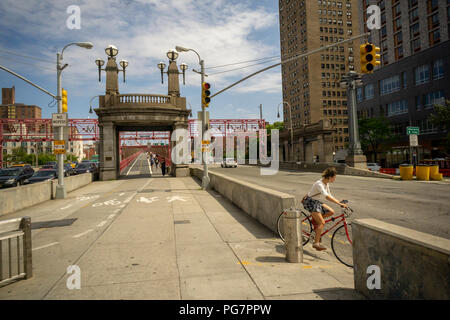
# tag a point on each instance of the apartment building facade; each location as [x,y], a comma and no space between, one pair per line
[311,85]
[415,47]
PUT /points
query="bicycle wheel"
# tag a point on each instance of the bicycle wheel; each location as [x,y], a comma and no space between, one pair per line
[306,227]
[342,246]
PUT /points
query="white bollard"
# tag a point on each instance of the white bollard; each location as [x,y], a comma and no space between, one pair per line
[293,236]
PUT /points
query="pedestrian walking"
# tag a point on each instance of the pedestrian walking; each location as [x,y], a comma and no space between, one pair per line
[163,167]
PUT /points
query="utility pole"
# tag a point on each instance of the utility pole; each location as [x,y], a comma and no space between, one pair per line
[355,157]
[260,112]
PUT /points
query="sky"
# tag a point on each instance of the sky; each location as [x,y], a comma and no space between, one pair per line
[221,31]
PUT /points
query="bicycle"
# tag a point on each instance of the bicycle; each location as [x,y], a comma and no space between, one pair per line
[341,241]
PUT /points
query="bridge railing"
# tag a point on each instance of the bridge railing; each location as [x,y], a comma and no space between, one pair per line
[12,231]
[125,162]
[142,99]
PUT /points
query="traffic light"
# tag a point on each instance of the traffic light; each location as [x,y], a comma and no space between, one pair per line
[64,100]
[370,57]
[206,93]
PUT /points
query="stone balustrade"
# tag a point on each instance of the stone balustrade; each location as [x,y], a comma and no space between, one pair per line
[144,99]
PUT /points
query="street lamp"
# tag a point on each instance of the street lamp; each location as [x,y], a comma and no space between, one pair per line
[205,180]
[172,55]
[111,51]
[60,189]
[292,132]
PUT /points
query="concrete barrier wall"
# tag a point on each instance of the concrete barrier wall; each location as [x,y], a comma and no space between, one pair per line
[17,198]
[321,166]
[413,265]
[14,199]
[75,182]
[261,203]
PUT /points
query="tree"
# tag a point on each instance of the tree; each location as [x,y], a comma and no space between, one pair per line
[276,125]
[441,119]
[373,132]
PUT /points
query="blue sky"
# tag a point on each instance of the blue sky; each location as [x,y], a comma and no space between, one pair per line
[222,31]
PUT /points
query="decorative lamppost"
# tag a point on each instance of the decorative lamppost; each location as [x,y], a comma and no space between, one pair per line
[172,72]
[111,69]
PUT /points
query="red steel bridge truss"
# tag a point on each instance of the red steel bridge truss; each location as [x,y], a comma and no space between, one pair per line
[41,130]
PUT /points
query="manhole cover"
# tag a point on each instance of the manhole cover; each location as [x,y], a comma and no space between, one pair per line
[52,224]
[181,222]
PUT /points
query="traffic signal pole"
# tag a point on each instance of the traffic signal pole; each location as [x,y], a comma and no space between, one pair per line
[60,189]
[205,180]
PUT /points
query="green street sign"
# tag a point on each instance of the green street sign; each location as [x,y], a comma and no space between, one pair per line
[412,130]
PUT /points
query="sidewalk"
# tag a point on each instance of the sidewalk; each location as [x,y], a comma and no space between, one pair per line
[175,241]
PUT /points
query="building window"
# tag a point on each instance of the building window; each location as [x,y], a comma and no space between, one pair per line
[432,98]
[426,126]
[433,21]
[398,38]
[432,5]
[398,107]
[418,103]
[435,37]
[390,85]
[359,94]
[369,91]
[397,24]
[399,52]
[414,15]
[422,74]
[404,82]
[415,45]
[438,69]
[414,30]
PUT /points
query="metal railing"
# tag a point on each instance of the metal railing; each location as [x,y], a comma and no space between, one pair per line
[15,234]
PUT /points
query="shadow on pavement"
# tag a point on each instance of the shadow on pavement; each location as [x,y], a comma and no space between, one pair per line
[251,224]
[339,294]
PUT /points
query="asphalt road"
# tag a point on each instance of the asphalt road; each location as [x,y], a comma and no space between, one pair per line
[419,205]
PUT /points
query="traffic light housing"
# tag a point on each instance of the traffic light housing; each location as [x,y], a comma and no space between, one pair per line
[370,57]
[64,100]
[206,93]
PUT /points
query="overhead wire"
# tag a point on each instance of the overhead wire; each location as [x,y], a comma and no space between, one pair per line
[26,63]
[252,65]
[25,56]
[236,63]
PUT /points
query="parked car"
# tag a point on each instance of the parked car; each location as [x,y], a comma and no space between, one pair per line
[229,163]
[42,175]
[373,166]
[85,168]
[12,177]
[68,169]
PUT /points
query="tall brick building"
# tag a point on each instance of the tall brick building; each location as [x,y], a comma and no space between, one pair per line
[9,109]
[311,86]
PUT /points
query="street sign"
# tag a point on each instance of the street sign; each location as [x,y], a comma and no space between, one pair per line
[59,147]
[206,142]
[60,119]
[413,140]
[412,130]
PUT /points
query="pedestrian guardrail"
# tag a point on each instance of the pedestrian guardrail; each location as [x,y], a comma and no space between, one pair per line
[125,162]
[16,260]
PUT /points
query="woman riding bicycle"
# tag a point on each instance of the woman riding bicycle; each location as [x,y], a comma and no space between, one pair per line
[319,211]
